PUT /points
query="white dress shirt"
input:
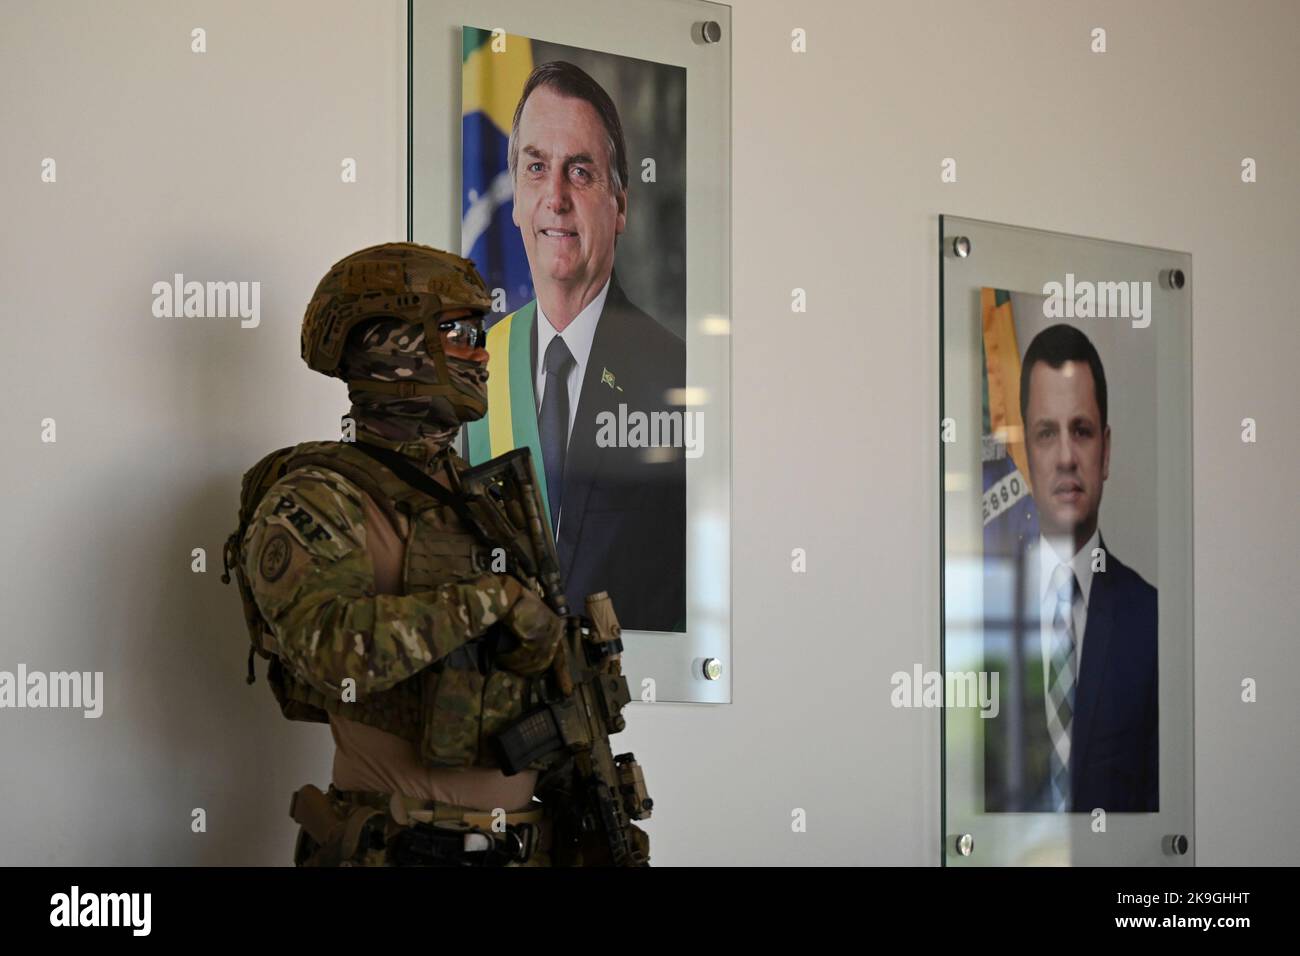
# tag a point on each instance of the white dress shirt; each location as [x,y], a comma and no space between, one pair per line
[578,336]
[1081,564]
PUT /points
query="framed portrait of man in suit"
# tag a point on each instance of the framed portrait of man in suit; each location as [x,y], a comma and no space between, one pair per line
[580,157]
[1051,444]
[1067,542]
[573,171]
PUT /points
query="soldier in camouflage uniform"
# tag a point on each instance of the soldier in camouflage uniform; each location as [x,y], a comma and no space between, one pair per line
[379,608]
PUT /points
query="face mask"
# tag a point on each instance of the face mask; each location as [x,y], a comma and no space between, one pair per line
[393,350]
[469,378]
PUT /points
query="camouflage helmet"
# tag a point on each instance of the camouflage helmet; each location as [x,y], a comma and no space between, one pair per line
[396,279]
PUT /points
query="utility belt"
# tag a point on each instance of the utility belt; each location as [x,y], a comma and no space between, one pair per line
[370,828]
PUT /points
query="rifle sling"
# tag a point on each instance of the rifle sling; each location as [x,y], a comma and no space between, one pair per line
[407,472]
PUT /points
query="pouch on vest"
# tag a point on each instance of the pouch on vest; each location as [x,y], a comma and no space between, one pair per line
[468,702]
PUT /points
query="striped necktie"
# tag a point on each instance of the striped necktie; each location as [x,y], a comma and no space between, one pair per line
[1061,680]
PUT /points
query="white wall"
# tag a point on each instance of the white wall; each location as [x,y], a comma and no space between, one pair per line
[226,166]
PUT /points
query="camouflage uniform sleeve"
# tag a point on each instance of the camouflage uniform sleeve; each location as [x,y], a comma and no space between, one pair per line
[313,579]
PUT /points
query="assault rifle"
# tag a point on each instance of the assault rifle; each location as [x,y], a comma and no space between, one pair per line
[596,793]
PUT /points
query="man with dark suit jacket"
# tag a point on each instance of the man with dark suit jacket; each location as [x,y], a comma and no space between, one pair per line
[581,352]
[1087,635]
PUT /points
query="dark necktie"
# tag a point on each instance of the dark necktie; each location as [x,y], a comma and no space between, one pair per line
[553,422]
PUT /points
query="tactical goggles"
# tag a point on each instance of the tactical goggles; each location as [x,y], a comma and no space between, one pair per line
[467,333]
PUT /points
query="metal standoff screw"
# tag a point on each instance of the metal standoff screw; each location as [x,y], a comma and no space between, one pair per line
[712,668]
[961,247]
[965,844]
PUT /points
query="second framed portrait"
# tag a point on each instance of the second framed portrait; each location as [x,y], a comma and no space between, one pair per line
[1067,582]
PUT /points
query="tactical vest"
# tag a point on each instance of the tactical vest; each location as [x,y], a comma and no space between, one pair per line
[451,710]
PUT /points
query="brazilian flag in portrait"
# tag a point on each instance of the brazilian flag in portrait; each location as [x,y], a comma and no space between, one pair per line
[493,73]
[494,69]
[1013,747]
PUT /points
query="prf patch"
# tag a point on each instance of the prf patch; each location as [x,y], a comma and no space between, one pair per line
[275,557]
[308,525]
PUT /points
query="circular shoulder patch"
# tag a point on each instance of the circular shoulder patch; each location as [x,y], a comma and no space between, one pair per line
[275,557]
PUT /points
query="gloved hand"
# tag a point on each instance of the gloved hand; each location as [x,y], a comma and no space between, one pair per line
[539,634]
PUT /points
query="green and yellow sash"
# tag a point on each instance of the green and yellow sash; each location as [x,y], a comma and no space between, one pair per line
[511,421]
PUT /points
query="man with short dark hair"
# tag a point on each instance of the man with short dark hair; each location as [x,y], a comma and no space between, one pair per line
[1101,709]
[581,350]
